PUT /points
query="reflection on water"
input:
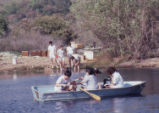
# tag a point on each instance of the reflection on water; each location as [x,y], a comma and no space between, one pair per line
[117,105]
[151,76]
[16,95]
[15,76]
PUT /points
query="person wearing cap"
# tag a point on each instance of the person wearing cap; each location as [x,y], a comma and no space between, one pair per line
[97,72]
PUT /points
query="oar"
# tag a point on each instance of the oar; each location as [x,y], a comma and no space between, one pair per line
[96,97]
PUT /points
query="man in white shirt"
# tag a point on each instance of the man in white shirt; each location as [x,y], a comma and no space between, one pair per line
[116,78]
[52,52]
[70,52]
[90,80]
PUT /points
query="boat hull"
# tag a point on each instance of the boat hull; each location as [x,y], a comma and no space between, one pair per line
[46,93]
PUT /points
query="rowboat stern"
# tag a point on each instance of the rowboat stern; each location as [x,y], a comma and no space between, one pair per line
[142,86]
[137,89]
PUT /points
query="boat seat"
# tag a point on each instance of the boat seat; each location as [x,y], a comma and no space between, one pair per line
[127,85]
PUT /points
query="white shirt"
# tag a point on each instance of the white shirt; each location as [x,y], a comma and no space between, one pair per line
[90,82]
[60,53]
[60,80]
[117,79]
[69,50]
[51,50]
[77,57]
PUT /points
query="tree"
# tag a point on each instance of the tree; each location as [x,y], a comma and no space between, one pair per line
[3,26]
[56,26]
[124,26]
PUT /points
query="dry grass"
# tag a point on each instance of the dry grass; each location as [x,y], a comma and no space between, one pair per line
[28,41]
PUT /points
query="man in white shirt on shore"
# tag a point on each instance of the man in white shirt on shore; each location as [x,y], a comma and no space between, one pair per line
[52,52]
[70,52]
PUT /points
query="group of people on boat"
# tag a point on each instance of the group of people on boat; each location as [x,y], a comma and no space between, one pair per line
[89,81]
[57,56]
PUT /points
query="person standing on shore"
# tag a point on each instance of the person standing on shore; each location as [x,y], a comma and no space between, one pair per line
[76,62]
[70,52]
[61,58]
[52,52]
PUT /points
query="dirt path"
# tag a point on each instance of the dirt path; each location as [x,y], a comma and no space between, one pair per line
[23,62]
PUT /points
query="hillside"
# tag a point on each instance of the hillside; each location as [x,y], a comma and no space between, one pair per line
[27,20]
[124,28]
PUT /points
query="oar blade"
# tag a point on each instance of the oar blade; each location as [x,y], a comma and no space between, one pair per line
[98,98]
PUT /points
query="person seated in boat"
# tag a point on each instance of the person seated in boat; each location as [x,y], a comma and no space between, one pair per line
[89,81]
[116,78]
[97,72]
[105,84]
[64,82]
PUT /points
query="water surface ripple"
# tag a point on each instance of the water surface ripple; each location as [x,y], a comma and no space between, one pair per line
[16,96]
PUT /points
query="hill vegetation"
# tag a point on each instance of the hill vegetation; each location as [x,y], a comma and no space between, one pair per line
[123,27]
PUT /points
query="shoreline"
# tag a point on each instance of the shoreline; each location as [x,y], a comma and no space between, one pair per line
[144,63]
[43,64]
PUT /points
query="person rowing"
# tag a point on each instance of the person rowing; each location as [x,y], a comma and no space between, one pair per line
[64,83]
[89,81]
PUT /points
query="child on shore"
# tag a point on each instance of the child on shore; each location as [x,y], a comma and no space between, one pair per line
[76,62]
[61,58]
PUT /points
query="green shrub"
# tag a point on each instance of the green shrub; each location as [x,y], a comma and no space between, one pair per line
[56,26]
[3,26]
[50,25]
[49,7]
[11,8]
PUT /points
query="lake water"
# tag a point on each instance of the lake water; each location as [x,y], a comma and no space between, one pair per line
[16,95]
